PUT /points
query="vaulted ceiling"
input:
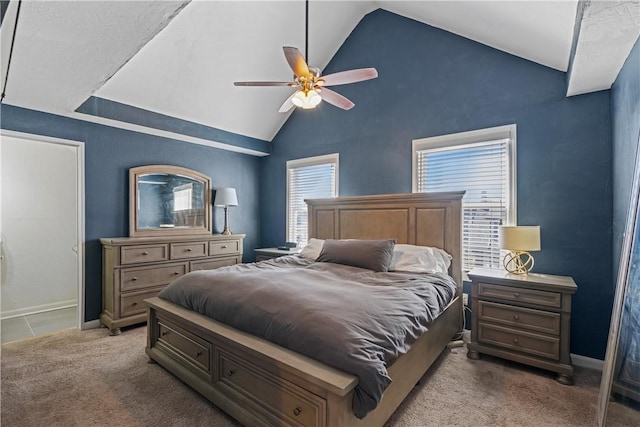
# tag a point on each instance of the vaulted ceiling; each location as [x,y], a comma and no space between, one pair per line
[180,58]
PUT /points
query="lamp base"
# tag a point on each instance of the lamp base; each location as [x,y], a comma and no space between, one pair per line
[226,232]
[518,262]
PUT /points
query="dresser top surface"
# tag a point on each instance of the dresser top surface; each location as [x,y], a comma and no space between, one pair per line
[503,276]
[169,239]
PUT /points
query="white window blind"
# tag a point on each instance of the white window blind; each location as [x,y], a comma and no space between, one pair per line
[484,171]
[182,197]
[310,178]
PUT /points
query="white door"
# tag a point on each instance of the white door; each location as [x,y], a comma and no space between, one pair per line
[41,231]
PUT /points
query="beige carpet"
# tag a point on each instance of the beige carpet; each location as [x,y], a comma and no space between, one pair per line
[89,378]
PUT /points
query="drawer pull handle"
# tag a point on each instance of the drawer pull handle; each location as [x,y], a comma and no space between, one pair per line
[230,372]
[134,278]
[297,411]
[515,341]
[516,295]
[164,333]
[145,253]
[198,353]
[516,317]
[189,249]
[223,247]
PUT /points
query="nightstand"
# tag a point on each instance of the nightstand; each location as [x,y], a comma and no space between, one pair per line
[524,318]
[268,253]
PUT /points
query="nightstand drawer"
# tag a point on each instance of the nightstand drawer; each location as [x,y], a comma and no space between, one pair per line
[520,295]
[519,317]
[514,339]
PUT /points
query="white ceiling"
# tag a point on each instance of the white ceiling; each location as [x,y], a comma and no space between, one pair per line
[182,60]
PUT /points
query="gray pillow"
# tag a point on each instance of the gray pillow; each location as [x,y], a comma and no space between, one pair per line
[370,254]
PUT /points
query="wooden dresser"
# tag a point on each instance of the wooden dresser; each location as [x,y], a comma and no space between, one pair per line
[136,268]
[524,318]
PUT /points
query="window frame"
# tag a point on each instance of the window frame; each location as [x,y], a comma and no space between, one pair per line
[469,139]
[325,159]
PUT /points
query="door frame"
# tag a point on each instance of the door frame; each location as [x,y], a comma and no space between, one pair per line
[80,248]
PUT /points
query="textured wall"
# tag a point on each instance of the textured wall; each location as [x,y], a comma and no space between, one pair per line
[109,153]
[432,82]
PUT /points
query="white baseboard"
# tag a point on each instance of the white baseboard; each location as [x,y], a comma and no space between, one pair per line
[92,324]
[36,309]
[587,362]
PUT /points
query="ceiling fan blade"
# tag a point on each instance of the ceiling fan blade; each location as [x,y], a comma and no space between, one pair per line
[350,76]
[264,84]
[336,99]
[296,61]
[287,104]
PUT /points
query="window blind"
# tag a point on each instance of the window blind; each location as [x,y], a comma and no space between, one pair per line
[482,170]
[307,182]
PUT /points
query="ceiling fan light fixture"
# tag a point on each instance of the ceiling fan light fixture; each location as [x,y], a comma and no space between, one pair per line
[306,100]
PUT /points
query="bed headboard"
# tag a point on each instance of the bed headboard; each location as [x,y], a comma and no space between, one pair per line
[424,219]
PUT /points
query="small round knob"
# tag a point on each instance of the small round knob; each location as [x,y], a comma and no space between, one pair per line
[145,253]
[223,247]
[134,303]
[198,354]
[516,294]
[515,341]
[297,411]
[516,317]
[134,278]
[189,249]
[164,333]
[230,372]
[176,273]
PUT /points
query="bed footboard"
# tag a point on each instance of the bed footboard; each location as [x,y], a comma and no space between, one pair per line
[260,383]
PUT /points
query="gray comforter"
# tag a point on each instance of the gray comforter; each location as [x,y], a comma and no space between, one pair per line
[350,318]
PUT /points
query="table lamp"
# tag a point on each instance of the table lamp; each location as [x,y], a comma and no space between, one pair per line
[226,197]
[518,240]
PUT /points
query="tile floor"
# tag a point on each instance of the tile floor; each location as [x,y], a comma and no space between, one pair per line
[32,325]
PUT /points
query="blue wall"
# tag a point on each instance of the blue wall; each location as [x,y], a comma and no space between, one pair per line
[625,107]
[432,82]
[109,153]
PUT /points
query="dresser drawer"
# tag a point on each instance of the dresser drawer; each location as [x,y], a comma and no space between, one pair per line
[224,247]
[519,317]
[193,349]
[151,276]
[188,250]
[132,302]
[143,253]
[282,402]
[521,295]
[523,341]
[212,264]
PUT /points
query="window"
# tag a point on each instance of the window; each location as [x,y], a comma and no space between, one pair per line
[182,196]
[482,163]
[309,178]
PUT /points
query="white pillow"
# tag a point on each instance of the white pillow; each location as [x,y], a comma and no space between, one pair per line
[419,259]
[313,249]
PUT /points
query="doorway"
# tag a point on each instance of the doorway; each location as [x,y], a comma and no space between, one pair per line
[41,235]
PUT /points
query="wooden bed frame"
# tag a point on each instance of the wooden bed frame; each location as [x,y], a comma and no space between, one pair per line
[260,383]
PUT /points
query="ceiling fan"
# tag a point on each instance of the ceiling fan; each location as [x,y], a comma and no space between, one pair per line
[311,86]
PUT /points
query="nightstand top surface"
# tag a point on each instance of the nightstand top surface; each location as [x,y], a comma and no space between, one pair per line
[533,278]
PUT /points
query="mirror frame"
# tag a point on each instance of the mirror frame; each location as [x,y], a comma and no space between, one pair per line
[134,175]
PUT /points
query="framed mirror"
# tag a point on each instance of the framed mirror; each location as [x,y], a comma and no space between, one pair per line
[619,395]
[168,200]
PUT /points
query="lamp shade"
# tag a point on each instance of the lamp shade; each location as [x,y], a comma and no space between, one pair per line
[520,238]
[226,197]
